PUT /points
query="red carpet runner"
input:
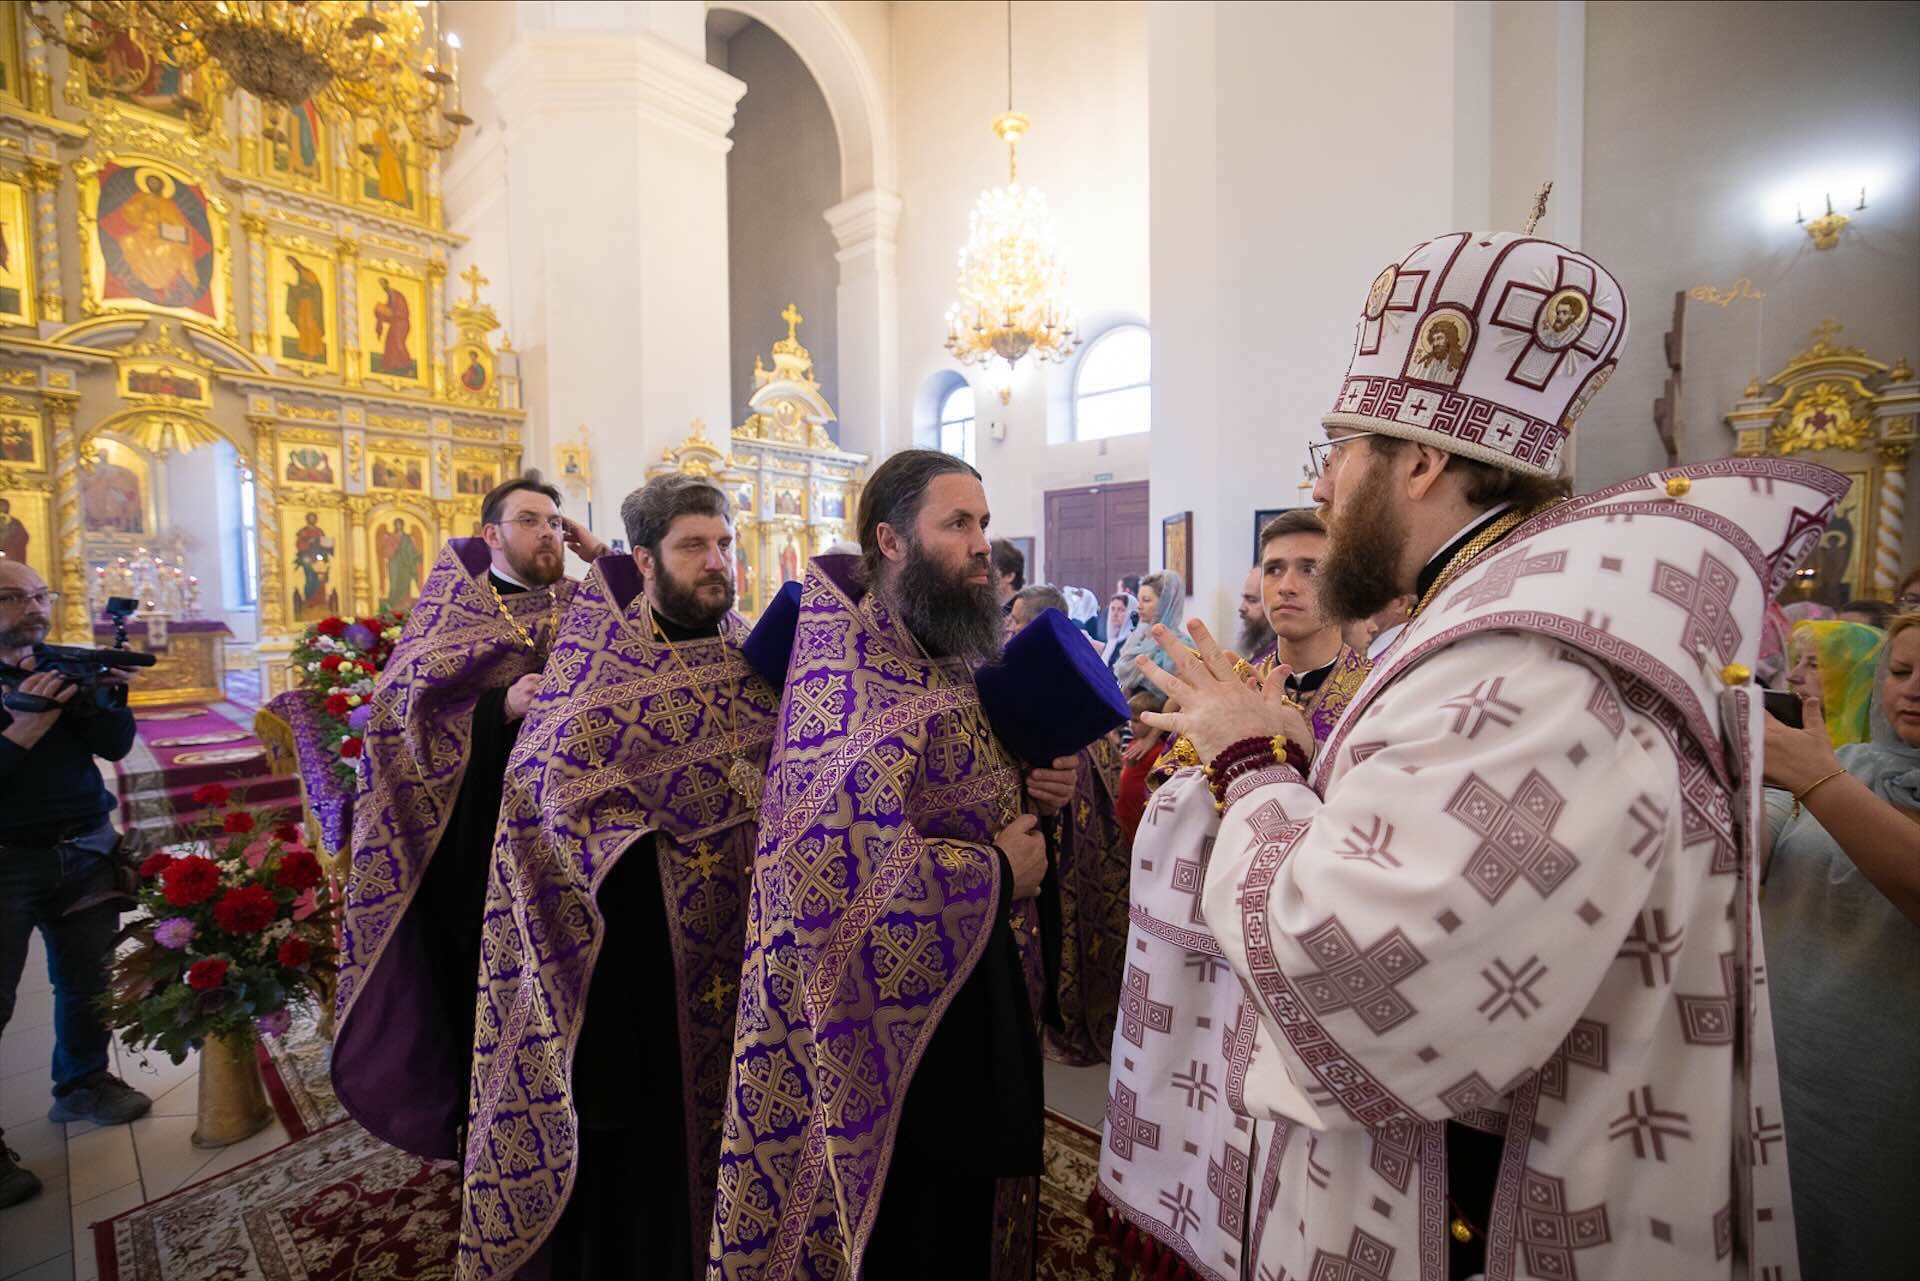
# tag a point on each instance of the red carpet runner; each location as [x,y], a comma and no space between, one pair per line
[179,748]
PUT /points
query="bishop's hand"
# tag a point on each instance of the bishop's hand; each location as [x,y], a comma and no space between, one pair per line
[1218,707]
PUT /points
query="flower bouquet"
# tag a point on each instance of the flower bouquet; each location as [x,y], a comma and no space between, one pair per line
[336,661]
[234,935]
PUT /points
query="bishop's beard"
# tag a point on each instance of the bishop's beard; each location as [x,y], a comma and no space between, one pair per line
[683,602]
[952,617]
[1255,635]
[543,567]
[1361,573]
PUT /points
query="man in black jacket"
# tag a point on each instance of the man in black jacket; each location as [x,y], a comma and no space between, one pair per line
[56,840]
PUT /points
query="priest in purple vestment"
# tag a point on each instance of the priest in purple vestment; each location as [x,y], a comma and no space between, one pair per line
[884,1114]
[615,915]
[444,715]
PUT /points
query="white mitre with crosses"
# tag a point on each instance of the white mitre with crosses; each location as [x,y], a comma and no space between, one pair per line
[1485,345]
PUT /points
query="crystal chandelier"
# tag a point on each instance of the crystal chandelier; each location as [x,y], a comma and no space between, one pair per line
[1011,285]
[385,59]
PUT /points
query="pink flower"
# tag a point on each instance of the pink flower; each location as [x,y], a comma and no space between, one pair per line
[276,1023]
[304,906]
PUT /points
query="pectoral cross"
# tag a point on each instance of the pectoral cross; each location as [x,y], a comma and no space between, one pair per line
[474,280]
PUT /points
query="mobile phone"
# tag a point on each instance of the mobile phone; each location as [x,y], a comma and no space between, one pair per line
[1784,706]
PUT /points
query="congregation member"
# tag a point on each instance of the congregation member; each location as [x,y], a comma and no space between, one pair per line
[1323,671]
[1121,620]
[1482,966]
[1867,613]
[890,975]
[1090,859]
[1163,600]
[446,709]
[1256,633]
[629,813]
[1906,597]
[1842,913]
[1009,572]
[1834,661]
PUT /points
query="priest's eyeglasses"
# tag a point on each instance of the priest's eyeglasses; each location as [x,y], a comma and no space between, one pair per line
[14,600]
[1321,453]
[533,524]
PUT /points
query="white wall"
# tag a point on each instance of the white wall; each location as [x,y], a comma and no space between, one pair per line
[782,175]
[1080,73]
[1702,121]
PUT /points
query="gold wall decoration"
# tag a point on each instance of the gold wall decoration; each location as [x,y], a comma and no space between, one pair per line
[153,238]
[394,323]
[13,71]
[471,376]
[17,300]
[26,504]
[303,303]
[1739,290]
[159,371]
[1855,414]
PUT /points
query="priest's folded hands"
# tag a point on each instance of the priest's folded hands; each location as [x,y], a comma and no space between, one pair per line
[1221,700]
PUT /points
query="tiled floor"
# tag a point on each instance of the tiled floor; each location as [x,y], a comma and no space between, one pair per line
[92,1172]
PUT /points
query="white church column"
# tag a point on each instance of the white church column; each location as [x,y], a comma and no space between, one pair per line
[868,309]
[615,144]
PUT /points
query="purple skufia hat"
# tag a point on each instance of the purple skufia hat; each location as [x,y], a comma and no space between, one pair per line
[769,646]
[1050,695]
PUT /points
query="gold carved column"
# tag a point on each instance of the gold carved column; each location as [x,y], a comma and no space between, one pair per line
[71,570]
[258,321]
[1889,539]
[436,332]
[348,256]
[42,178]
[266,528]
[358,505]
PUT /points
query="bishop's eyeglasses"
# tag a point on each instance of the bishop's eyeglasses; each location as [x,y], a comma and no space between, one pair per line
[1321,453]
[533,524]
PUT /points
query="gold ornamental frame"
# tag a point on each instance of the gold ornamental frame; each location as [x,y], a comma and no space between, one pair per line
[93,274]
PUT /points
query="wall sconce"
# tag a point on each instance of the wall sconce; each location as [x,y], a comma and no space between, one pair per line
[1001,380]
[1825,230]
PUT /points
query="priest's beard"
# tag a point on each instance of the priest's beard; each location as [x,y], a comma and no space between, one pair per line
[952,617]
[693,602]
[1255,635]
[1361,573]
[542,567]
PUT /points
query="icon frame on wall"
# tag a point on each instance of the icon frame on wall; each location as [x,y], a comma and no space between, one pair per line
[475,477]
[372,173]
[419,528]
[276,117]
[284,337]
[107,86]
[113,281]
[18,305]
[13,71]
[371,299]
[382,460]
[17,428]
[31,505]
[338,583]
[308,462]
[143,379]
[1176,546]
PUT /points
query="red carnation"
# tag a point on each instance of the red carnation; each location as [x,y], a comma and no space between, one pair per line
[247,910]
[207,975]
[295,952]
[373,625]
[366,665]
[210,794]
[238,822]
[331,663]
[330,626]
[190,880]
[298,870]
[336,704]
[154,864]
[349,748]
[287,833]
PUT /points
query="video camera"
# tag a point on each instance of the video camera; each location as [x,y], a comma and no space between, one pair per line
[82,668]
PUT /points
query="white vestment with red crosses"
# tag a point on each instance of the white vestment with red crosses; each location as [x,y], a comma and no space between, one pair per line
[1518,894]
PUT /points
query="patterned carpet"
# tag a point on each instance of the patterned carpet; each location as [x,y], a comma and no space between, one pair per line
[337,1204]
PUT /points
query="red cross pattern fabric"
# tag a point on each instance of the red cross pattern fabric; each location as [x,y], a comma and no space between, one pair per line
[1486,345]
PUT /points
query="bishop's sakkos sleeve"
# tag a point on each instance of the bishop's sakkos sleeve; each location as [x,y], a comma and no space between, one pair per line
[1428,934]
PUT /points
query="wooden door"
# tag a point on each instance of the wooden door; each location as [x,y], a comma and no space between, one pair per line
[1096,535]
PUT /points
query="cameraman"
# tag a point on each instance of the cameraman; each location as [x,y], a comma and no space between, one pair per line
[56,842]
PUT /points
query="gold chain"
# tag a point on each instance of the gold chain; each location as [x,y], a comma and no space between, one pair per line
[553,617]
[741,769]
[1501,526]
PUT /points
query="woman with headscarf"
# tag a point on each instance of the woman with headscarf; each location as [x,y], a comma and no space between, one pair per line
[1833,662]
[1163,599]
[1841,915]
[1122,610]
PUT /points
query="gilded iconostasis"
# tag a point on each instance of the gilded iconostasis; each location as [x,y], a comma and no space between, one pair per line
[190,274]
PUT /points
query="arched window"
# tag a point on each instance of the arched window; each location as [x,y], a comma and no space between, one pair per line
[1113,388]
[956,423]
[249,549]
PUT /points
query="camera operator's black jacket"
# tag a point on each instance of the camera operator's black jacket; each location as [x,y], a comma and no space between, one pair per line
[53,789]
